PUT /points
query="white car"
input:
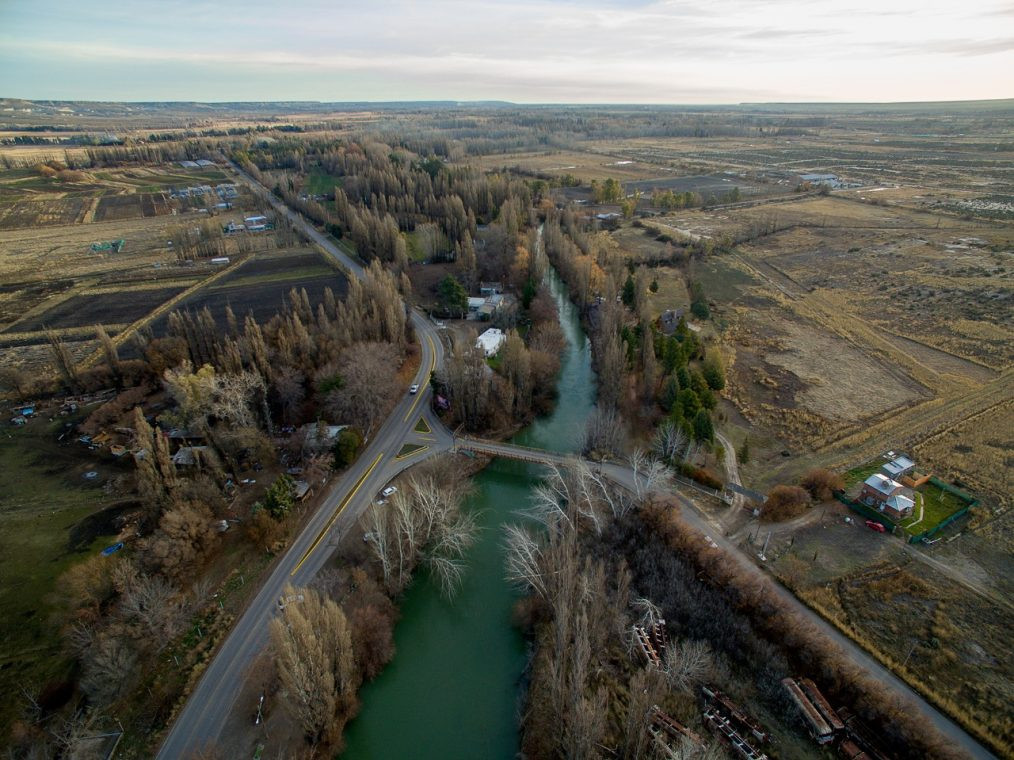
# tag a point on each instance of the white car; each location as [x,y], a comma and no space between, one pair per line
[413,389]
[389,491]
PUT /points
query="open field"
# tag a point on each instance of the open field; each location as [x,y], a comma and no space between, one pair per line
[262,284]
[43,503]
[930,613]
[118,307]
[949,644]
[870,148]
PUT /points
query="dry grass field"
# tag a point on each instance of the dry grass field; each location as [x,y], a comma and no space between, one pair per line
[586,166]
[853,326]
[948,643]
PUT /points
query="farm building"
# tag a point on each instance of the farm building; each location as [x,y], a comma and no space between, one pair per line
[319,436]
[887,495]
[831,180]
[490,341]
[300,489]
[898,468]
[189,456]
[670,320]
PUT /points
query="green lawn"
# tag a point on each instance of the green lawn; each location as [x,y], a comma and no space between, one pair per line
[42,496]
[938,505]
[320,183]
[859,474]
[408,449]
[415,248]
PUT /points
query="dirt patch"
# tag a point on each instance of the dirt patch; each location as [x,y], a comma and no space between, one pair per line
[125,306]
[841,383]
[111,207]
[42,213]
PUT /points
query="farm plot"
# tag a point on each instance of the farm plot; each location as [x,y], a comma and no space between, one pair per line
[35,254]
[119,307]
[42,213]
[805,379]
[262,286]
[113,207]
[979,452]
[945,290]
[583,165]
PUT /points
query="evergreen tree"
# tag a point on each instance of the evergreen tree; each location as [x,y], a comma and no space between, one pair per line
[669,393]
[628,291]
[453,298]
[703,428]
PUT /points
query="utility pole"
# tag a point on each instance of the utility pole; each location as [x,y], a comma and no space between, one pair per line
[908,655]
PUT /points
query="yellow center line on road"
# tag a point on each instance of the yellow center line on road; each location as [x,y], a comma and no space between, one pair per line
[337,513]
[433,362]
[412,453]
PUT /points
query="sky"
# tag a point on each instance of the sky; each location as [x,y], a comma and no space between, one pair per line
[526,51]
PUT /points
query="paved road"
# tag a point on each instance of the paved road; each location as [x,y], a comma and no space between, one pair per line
[199,724]
[200,721]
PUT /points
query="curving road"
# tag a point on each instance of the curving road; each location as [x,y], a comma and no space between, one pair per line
[199,723]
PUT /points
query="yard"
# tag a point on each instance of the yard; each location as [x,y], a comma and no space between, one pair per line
[321,183]
[933,505]
[44,505]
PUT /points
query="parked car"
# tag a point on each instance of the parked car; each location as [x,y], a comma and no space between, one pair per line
[389,491]
[874,525]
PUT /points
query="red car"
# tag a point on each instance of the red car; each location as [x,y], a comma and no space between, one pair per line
[874,525]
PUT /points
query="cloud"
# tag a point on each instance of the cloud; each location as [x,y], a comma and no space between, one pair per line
[624,50]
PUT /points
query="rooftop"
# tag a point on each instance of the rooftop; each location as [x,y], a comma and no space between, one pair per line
[882,484]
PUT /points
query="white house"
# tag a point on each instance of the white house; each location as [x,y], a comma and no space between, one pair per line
[490,341]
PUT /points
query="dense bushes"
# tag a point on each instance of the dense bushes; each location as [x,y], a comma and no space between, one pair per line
[784,503]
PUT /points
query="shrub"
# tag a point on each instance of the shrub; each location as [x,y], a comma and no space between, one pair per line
[822,483]
[701,475]
[784,503]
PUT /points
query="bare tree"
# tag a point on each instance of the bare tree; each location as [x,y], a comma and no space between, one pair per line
[183,540]
[369,384]
[63,360]
[686,664]
[152,601]
[649,475]
[647,687]
[524,560]
[109,351]
[603,433]
[316,665]
[669,441]
[106,667]
[423,522]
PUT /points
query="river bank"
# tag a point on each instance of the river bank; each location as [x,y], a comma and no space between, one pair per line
[453,688]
